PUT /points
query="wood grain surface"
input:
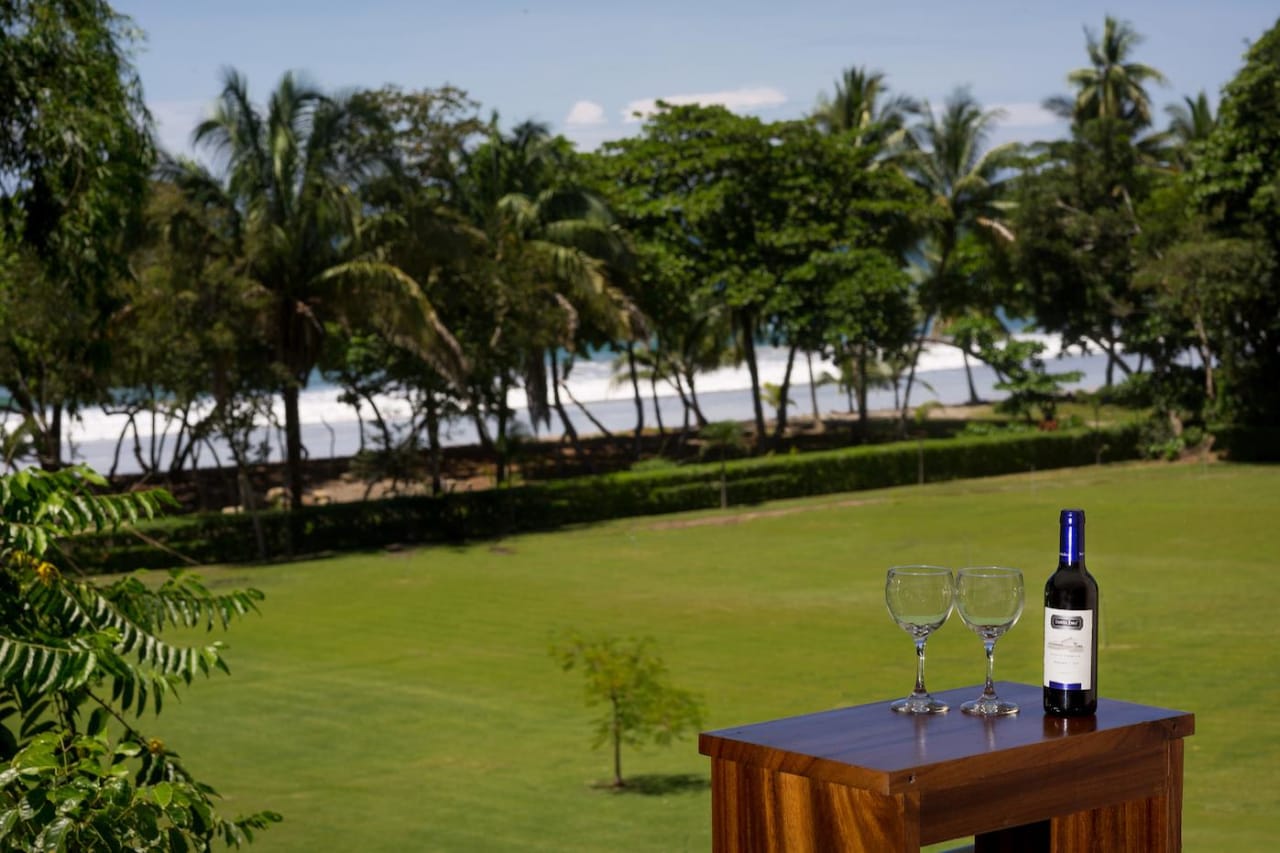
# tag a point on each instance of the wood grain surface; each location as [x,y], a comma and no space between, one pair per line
[875,780]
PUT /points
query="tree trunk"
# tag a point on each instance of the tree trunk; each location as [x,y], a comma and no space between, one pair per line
[635,386]
[293,445]
[657,408]
[813,392]
[435,453]
[781,426]
[699,418]
[617,743]
[570,432]
[863,416]
[1206,358]
[604,430]
[968,375]
[1113,360]
[51,459]
[911,374]
[500,446]
[749,350]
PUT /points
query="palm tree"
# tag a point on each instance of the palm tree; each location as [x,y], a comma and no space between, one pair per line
[291,181]
[862,107]
[1190,122]
[558,262]
[963,178]
[1112,86]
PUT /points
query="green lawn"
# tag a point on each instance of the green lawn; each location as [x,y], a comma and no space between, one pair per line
[406,701]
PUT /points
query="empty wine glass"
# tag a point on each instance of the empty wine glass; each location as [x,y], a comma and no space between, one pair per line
[990,600]
[919,599]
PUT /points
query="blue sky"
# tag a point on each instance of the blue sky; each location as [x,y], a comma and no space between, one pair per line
[583,67]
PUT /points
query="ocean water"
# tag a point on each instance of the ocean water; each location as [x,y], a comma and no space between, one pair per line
[331,428]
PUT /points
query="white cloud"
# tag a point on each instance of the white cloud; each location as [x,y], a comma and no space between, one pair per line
[1027,114]
[734,99]
[584,114]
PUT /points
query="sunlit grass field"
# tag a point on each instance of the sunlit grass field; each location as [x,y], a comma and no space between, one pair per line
[406,701]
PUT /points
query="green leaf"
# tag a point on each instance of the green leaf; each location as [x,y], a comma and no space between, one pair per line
[55,836]
[163,793]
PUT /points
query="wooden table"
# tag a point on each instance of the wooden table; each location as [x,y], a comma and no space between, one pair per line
[865,778]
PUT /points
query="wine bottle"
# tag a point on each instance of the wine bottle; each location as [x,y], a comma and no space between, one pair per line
[1071,626]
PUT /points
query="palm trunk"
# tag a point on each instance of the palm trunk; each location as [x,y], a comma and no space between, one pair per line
[968,375]
[699,418]
[53,438]
[863,416]
[635,386]
[570,432]
[749,350]
[781,426]
[657,408]
[911,375]
[293,445]
[813,391]
[435,453]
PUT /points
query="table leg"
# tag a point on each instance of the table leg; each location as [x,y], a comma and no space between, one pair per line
[1153,824]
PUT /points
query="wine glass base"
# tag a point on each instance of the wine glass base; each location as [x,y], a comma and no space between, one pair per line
[989,706]
[920,705]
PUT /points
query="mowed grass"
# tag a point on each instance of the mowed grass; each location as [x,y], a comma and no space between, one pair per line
[406,701]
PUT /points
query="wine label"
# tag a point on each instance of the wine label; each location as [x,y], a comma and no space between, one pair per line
[1068,649]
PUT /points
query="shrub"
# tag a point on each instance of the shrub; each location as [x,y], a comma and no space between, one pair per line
[462,516]
[80,664]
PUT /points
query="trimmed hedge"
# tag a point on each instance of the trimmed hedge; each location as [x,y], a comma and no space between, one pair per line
[461,516]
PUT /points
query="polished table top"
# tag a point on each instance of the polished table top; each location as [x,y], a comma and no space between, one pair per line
[871,747]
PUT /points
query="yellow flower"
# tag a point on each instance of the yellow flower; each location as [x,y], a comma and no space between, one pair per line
[155,746]
[46,572]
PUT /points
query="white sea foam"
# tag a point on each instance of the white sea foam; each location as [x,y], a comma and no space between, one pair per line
[331,427]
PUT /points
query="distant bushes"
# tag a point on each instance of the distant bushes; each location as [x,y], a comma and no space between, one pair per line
[462,516]
[1248,444]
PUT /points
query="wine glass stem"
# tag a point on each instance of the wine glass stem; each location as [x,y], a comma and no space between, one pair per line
[920,691]
[989,691]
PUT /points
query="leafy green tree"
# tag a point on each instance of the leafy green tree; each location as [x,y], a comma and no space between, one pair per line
[838,245]
[630,681]
[192,334]
[733,209]
[75,151]
[79,665]
[690,326]
[1077,220]
[700,175]
[291,174]
[1236,184]
[1112,86]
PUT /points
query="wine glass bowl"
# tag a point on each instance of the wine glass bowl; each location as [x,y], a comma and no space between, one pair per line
[990,600]
[919,599]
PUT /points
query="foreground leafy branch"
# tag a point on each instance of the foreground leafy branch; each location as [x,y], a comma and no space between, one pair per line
[80,662]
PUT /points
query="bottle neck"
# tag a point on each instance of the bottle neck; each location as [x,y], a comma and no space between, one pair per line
[1071,539]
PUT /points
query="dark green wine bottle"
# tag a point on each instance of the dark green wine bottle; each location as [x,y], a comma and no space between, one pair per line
[1071,626]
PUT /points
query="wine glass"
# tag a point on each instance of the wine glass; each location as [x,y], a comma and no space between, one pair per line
[990,600]
[919,600]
